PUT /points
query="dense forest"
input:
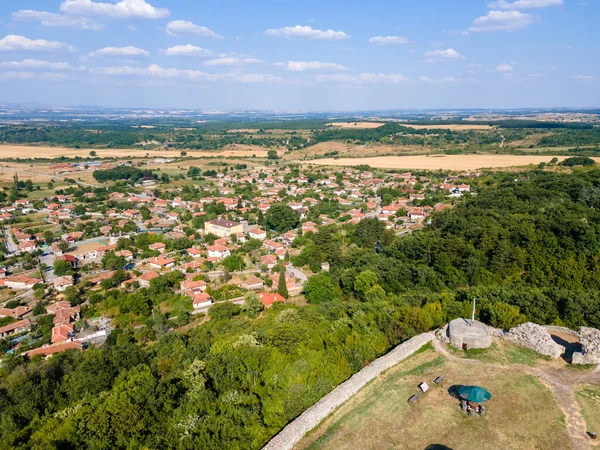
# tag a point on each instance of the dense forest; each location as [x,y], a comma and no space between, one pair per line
[526,246]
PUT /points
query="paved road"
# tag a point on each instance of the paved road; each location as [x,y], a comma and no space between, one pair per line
[298,274]
[48,259]
[10,242]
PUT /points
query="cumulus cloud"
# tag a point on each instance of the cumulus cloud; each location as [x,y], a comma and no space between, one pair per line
[503,68]
[306,32]
[120,52]
[388,40]
[309,66]
[123,9]
[14,42]
[502,21]
[449,53]
[187,50]
[231,61]
[52,20]
[187,28]
[363,78]
[524,4]
[584,77]
[22,75]
[444,80]
[156,71]
[36,64]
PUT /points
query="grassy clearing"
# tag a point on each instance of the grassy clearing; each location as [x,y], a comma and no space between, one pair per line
[502,353]
[522,414]
[588,398]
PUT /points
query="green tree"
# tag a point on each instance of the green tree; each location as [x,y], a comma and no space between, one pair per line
[62,267]
[63,246]
[252,304]
[281,218]
[234,262]
[223,311]
[365,281]
[320,288]
[272,154]
[282,285]
[111,261]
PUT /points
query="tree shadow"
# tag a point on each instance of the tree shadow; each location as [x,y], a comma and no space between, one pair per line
[437,447]
[570,348]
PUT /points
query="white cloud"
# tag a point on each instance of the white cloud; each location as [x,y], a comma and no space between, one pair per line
[537,75]
[449,53]
[187,28]
[503,68]
[524,4]
[14,42]
[124,9]
[447,80]
[502,21]
[306,32]
[120,52]
[584,77]
[36,64]
[156,71]
[231,61]
[131,28]
[21,75]
[187,50]
[387,40]
[363,78]
[309,66]
[53,20]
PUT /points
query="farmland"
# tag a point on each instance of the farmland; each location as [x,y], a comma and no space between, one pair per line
[439,162]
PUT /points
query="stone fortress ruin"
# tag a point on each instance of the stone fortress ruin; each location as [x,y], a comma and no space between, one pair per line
[580,347]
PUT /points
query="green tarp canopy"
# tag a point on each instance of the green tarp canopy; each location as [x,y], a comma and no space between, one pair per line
[474,394]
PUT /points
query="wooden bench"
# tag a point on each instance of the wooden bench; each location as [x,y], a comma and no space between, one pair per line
[438,380]
[413,399]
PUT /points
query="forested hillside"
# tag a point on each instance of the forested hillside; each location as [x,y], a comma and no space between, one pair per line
[527,246]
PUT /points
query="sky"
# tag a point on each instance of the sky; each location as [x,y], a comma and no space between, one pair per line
[309,55]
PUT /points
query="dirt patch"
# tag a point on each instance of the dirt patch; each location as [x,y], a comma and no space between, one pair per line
[440,162]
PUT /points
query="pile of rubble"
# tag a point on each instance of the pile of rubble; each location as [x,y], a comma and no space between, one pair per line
[536,338]
[590,343]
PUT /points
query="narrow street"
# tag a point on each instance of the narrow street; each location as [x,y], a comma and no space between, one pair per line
[11,245]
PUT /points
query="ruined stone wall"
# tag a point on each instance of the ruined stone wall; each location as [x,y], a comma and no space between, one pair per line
[309,419]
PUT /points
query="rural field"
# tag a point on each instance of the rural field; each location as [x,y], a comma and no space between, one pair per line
[356,125]
[522,414]
[453,127]
[22,151]
[440,162]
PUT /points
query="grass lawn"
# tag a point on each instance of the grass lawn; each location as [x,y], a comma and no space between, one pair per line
[522,414]
[502,353]
[588,398]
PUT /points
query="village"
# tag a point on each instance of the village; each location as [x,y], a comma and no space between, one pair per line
[207,240]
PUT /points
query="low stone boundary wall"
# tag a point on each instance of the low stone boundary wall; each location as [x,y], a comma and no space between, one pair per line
[309,419]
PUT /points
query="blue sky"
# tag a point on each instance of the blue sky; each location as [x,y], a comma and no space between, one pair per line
[301,55]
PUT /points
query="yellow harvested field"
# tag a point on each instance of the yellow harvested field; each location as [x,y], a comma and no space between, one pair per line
[23,151]
[443,162]
[356,124]
[453,127]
